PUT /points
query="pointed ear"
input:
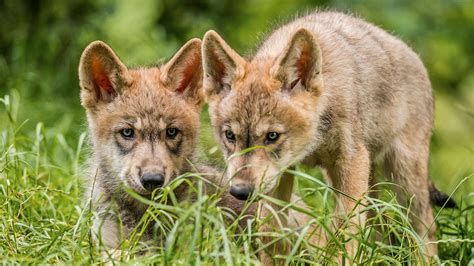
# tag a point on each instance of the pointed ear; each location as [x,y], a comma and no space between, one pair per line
[101,74]
[300,64]
[220,63]
[183,73]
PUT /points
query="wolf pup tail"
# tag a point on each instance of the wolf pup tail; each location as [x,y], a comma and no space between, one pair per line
[440,199]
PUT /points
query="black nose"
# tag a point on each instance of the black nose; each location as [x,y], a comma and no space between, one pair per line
[152,181]
[241,191]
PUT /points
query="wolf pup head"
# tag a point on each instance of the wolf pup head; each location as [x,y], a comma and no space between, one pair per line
[143,122]
[265,103]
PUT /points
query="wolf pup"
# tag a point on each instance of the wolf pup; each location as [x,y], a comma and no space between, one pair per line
[143,126]
[331,90]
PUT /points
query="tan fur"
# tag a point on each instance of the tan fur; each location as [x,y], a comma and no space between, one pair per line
[150,101]
[342,93]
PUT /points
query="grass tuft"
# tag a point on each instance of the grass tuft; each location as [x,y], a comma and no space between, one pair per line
[46,219]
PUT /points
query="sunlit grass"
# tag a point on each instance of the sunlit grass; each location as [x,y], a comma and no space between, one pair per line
[46,218]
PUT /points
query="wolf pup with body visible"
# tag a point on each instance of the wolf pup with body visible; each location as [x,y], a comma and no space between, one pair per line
[331,90]
[143,126]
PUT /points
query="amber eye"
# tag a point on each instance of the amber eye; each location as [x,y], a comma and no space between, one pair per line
[127,133]
[271,137]
[230,136]
[171,132]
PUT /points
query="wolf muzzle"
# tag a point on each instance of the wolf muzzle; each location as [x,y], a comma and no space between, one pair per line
[241,191]
[152,181]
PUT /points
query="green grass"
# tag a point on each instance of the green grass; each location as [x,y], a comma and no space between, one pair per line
[46,219]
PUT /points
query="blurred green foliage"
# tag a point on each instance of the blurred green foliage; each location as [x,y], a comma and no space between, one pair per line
[41,41]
